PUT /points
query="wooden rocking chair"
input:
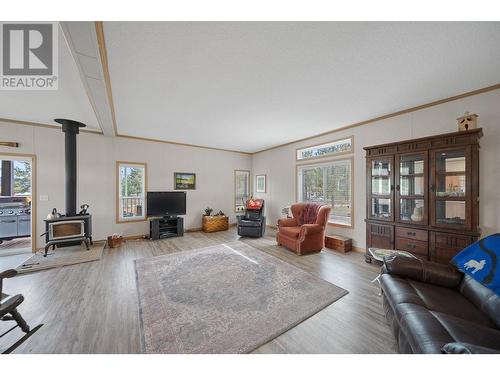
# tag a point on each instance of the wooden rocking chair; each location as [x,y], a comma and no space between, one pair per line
[8,311]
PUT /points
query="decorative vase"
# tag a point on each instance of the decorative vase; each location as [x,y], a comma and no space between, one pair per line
[417,214]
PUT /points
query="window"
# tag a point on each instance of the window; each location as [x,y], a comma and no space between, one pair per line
[341,146]
[329,183]
[131,193]
[22,178]
[241,189]
[15,178]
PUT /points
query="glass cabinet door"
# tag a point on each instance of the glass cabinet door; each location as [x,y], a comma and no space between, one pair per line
[381,189]
[411,194]
[450,188]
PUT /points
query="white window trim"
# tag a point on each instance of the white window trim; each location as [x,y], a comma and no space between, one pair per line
[298,186]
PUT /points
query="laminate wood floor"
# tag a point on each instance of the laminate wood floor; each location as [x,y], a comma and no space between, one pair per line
[93,307]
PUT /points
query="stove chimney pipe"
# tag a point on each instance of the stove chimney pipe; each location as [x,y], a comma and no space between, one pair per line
[71,129]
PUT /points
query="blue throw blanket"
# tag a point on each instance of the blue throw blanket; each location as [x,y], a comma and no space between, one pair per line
[481,261]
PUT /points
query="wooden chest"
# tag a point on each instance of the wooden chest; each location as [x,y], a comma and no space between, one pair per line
[339,243]
[214,223]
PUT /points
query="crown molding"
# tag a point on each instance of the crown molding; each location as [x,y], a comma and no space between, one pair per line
[41,125]
[393,114]
[181,144]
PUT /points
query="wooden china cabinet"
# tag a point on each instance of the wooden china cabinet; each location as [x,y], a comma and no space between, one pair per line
[423,195]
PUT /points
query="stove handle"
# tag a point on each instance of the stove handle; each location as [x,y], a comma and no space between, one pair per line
[8,221]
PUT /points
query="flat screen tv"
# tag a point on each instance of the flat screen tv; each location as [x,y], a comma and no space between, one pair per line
[166,203]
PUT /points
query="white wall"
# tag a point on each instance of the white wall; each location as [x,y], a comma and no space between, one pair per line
[97,156]
[214,169]
[279,164]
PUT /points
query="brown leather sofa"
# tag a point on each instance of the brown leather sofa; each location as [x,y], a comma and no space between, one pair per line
[433,308]
[306,238]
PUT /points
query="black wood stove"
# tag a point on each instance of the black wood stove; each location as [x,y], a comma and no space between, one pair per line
[70,229]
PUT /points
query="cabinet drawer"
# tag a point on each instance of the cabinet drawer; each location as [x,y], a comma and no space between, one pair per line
[414,234]
[444,246]
[412,246]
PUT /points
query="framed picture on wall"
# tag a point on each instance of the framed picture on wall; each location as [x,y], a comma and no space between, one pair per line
[184,181]
[260,183]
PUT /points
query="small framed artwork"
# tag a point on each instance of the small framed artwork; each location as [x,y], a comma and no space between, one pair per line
[184,181]
[260,183]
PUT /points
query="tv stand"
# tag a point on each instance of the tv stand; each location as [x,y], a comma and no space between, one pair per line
[165,227]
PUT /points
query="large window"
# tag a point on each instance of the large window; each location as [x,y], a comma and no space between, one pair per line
[338,147]
[131,191]
[329,183]
[241,189]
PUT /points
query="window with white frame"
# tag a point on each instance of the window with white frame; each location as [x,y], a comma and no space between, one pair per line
[131,191]
[329,183]
[340,146]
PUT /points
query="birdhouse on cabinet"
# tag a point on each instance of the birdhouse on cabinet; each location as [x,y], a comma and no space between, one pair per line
[467,121]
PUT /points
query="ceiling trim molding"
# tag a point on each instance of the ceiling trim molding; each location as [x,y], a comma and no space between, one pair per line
[394,114]
[47,126]
[101,41]
[72,52]
[180,144]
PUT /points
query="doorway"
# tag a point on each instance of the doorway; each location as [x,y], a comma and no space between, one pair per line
[17,193]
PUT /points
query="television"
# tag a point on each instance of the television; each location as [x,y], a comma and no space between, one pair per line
[166,203]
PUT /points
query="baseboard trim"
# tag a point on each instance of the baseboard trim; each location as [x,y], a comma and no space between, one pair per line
[136,237]
[193,230]
[359,250]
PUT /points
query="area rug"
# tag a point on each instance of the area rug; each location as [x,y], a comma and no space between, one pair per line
[229,298]
[64,256]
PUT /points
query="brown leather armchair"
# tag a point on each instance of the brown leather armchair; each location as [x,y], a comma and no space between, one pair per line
[305,238]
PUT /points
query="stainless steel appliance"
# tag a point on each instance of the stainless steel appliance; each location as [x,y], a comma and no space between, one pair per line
[15,218]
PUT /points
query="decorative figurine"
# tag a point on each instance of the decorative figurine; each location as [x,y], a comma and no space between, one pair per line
[467,121]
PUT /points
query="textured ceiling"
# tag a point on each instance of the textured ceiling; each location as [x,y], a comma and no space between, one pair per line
[69,101]
[249,85]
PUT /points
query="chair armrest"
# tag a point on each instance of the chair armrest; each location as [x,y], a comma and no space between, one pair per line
[9,303]
[309,229]
[289,222]
[421,270]
[8,274]
[465,348]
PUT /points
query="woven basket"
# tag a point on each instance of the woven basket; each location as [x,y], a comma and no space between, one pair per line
[215,223]
[115,242]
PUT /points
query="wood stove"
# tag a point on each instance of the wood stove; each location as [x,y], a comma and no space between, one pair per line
[68,231]
[72,228]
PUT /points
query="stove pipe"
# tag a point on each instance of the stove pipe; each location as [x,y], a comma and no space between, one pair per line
[71,129]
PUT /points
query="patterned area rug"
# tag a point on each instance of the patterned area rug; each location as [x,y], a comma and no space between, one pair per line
[229,298]
[64,256]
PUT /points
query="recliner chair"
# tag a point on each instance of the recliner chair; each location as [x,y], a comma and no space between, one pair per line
[253,222]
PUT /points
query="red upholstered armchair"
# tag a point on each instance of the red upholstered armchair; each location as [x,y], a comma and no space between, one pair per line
[305,232]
